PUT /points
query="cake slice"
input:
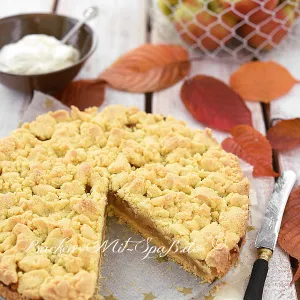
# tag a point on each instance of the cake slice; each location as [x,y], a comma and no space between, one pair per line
[179,188]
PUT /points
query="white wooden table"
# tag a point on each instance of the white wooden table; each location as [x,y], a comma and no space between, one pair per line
[123,25]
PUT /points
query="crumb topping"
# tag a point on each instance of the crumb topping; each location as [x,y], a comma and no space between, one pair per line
[55,174]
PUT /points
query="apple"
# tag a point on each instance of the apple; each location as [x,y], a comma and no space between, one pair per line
[270,31]
[167,6]
[254,8]
[204,26]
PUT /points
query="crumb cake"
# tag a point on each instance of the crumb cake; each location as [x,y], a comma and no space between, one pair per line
[167,181]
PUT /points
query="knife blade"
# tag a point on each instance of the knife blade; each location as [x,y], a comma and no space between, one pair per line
[268,234]
[270,225]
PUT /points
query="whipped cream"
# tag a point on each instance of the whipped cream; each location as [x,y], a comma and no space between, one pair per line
[37,54]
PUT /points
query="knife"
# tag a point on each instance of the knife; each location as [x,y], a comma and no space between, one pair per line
[267,236]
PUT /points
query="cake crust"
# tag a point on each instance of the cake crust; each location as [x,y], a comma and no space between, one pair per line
[8,294]
[56,173]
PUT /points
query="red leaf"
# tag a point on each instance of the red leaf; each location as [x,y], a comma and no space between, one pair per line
[285,135]
[83,93]
[262,81]
[214,103]
[250,145]
[148,68]
[289,235]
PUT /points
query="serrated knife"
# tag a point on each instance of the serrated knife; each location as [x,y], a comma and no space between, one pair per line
[267,236]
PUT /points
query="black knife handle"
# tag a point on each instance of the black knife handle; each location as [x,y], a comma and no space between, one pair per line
[257,280]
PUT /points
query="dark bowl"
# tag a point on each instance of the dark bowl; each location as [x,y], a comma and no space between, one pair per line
[14,28]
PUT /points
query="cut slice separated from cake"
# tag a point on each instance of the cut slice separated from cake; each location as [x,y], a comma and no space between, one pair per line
[192,201]
[174,185]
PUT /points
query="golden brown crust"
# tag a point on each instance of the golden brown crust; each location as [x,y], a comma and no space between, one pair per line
[55,176]
[8,294]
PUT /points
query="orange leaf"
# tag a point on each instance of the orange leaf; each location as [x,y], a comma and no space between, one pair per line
[262,81]
[214,103]
[285,135]
[148,68]
[83,93]
[250,145]
[289,235]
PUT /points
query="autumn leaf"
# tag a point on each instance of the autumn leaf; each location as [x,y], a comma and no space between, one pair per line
[285,135]
[262,81]
[250,145]
[289,235]
[148,68]
[83,93]
[212,102]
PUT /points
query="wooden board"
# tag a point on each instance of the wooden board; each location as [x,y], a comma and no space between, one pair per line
[120,26]
[168,102]
[288,106]
[15,7]
[12,103]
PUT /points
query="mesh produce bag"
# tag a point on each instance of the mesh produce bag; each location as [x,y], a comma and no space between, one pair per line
[241,29]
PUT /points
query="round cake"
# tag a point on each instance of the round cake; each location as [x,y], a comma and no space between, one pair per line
[172,184]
